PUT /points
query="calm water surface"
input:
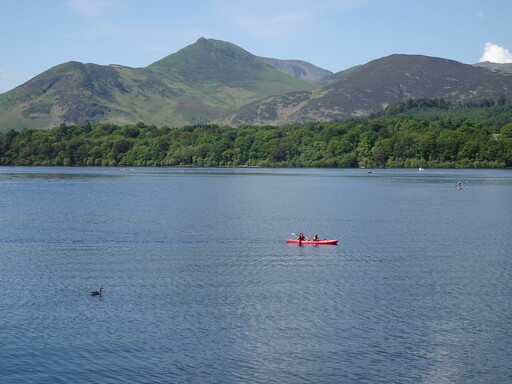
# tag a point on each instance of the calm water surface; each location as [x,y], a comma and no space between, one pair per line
[200,286]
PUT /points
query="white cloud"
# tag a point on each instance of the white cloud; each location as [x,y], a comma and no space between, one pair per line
[496,54]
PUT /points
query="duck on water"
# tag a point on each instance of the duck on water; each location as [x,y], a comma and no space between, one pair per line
[95,293]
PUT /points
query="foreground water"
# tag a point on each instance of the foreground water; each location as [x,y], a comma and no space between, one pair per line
[200,286]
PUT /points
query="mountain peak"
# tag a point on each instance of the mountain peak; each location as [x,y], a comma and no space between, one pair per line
[202,58]
[216,61]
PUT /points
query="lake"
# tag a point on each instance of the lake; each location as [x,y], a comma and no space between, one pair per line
[201,287]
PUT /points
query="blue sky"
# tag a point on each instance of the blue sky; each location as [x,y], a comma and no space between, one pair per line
[332,34]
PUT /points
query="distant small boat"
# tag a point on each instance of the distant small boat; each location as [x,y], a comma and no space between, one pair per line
[421,169]
[314,242]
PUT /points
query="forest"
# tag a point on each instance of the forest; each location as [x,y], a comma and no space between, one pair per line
[384,141]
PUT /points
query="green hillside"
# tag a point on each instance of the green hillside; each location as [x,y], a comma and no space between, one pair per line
[201,83]
[222,75]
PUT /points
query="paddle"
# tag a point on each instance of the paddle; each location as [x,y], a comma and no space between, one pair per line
[305,237]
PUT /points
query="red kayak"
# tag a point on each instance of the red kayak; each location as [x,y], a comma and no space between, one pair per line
[315,242]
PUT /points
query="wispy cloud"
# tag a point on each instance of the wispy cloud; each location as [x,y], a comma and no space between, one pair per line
[91,9]
[128,27]
[4,74]
[278,19]
[480,15]
[496,54]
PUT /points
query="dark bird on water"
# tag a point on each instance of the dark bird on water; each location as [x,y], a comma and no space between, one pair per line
[94,293]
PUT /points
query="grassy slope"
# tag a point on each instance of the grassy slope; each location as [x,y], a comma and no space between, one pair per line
[223,75]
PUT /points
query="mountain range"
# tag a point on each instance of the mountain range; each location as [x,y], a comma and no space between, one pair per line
[498,66]
[216,81]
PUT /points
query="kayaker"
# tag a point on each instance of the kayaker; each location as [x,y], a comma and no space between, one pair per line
[301,237]
[315,237]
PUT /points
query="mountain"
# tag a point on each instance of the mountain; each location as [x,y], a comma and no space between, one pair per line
[371,87]
[299,69]
[499,66]
[198,84]
[216,81]
[74,92]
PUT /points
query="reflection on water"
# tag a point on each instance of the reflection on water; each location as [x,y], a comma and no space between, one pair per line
[200,285]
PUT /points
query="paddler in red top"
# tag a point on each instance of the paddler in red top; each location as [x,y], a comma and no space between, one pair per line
[301,237]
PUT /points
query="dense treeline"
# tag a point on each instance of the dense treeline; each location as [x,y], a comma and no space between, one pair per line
[486,111]
[381,142]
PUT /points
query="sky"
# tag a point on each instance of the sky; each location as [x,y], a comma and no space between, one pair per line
[332,34]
